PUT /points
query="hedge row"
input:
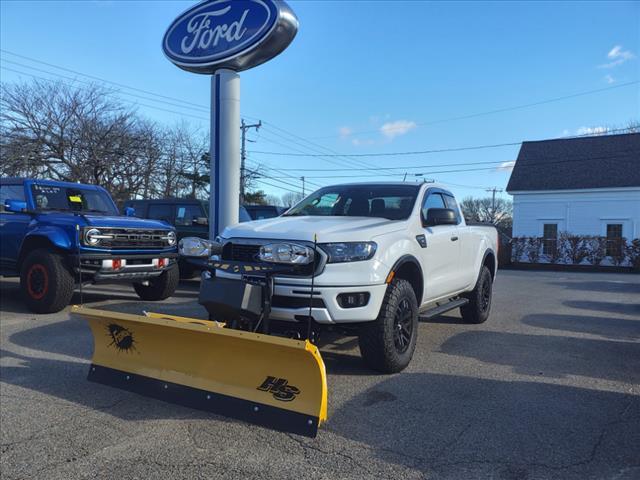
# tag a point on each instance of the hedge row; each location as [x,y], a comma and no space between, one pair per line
[570,249]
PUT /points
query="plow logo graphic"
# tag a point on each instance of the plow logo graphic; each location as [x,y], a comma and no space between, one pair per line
[280,388]
[121,338]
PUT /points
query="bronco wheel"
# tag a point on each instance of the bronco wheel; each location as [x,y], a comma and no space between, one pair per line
[387,343]
[160,287]
[46,282]
[479,306]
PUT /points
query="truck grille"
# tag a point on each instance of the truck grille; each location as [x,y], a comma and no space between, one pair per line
[132,238]
[241,252]
[244,252]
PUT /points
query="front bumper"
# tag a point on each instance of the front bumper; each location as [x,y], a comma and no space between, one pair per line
[99,267]
[290,302]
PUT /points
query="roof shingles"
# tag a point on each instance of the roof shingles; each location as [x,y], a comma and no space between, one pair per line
[606,161]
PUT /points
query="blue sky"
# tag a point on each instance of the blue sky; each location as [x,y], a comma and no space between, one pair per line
[368,77]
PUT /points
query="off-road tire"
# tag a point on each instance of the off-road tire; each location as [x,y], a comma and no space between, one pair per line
[161,287]
[379,339]
[46,282]
[479,306]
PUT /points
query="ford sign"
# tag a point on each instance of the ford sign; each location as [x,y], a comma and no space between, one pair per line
[233,34]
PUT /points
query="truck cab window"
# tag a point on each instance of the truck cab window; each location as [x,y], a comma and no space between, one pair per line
[187,215]
[10,192]
[161,211]
[453,205]
[433,200]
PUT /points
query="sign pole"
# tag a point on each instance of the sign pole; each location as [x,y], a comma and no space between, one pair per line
[224,153]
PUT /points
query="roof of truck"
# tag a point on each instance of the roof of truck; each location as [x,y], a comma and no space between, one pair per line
[17,180]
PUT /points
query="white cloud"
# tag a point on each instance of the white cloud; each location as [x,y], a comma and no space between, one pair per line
[345,131]
[609,79]
[592,131]
[617,56]
[359,142]
[397,128]
[506,166]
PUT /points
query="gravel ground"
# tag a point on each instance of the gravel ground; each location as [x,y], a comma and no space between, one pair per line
[549,387]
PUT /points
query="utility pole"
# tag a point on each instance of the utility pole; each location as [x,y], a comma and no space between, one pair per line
[303,192]
[493,191]
[243,154]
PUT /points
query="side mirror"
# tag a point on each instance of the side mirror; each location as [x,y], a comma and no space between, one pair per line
[201,221]
[440,216]
[15,206]
[130,211]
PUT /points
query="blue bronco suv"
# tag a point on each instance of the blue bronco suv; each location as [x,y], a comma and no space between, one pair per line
[55,235]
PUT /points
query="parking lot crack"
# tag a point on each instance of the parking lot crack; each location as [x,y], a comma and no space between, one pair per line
[306,447]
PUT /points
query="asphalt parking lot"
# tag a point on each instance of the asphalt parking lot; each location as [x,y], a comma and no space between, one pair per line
[549,387]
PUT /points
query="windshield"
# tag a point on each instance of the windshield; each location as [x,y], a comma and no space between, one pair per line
[72,199]
[394,202]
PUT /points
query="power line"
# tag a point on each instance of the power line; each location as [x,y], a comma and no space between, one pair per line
[277,186]
[315,150]
[130,102]
[122,85]
[424,152]
[93,83]
[498,110]
[537,164]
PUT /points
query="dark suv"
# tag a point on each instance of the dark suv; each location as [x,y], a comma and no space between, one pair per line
[189,217]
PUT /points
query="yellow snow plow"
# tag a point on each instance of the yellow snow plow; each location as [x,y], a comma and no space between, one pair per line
[269,380]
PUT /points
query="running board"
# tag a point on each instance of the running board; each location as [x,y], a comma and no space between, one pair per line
[440,309]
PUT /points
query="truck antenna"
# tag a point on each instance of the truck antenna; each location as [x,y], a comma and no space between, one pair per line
[79,263]
[313,277]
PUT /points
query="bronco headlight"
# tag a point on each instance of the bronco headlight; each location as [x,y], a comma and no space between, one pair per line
[349,251]
[288,253]
[92,236]
[171,238]
[198,247]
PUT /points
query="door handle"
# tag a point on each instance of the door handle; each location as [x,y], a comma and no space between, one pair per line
[453,239]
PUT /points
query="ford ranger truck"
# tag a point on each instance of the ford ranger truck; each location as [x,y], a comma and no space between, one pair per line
[56,235]
[383,255]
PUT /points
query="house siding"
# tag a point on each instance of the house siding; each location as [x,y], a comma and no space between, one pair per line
[579,212]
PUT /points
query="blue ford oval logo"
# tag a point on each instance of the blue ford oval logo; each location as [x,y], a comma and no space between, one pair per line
[236,34]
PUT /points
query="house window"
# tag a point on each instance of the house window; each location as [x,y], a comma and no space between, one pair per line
[614,239]
[549,238]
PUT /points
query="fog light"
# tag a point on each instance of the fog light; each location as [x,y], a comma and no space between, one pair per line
[353,300]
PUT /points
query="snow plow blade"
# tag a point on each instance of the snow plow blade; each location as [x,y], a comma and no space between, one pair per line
[271,381]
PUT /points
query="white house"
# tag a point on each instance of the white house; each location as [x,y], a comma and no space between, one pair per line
[585,186]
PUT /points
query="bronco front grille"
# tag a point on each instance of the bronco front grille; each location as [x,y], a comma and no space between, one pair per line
[133,238]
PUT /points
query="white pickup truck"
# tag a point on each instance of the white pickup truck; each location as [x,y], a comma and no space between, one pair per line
[377,256]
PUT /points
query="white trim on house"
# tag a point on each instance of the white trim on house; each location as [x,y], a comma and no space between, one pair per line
[580,190]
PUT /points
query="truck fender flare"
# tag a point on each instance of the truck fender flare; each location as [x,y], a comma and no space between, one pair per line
[489,251]
[404,260]
[41,236]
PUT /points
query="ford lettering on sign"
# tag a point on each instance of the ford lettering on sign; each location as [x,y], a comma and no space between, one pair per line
[233,34]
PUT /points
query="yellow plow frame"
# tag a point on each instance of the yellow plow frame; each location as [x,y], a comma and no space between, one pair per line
[271,381]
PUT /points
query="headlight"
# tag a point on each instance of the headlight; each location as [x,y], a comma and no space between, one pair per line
[289,253]
[197,247]
[171,238]
[349,251]
[92,236]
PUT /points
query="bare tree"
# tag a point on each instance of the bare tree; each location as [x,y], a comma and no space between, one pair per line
[289,199]
[498,213]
